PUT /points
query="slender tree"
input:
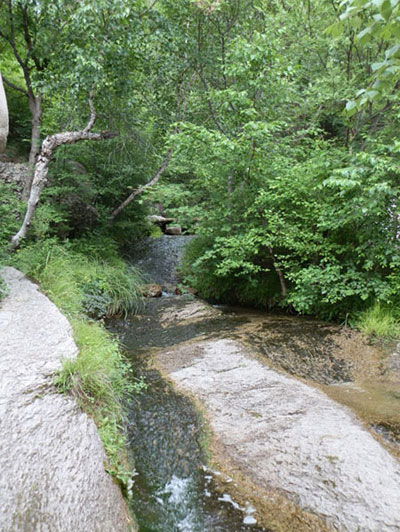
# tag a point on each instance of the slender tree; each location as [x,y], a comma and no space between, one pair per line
[3,117]
[50,144]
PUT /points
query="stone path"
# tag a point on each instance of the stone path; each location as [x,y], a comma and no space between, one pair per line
[52,476]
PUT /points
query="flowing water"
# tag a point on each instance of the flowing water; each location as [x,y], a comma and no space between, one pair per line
[174,490]
[159,258]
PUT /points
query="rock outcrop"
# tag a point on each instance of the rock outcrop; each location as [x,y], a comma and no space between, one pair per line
[15,173]
[52,475]
[3,118]
[284,436]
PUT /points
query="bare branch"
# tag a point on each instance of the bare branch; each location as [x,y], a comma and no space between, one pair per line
[15,87]
[141,189]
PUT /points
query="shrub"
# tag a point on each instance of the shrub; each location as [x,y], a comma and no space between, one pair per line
[218,278]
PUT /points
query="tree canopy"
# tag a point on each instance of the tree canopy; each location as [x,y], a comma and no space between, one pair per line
[268,128]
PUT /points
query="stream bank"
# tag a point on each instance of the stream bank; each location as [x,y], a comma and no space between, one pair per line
[51,457]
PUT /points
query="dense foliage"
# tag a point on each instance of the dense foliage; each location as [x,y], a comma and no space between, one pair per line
[282,118]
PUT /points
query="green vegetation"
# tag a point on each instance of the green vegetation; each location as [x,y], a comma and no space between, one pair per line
[3,289]
[86,276]
[275,125]
[82,284]
[100,379]
[379,322]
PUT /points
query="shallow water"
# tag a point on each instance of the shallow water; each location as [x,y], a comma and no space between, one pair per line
[174,491]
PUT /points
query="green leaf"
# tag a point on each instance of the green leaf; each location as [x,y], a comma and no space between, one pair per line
[386,10]
[365,35]
[377,66]
[392,51]
[335,30]
[351,107]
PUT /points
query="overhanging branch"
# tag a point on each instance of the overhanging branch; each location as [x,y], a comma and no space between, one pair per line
[141,189]
[50,144]
[15,87]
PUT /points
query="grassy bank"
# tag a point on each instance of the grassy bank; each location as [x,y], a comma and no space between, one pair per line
[87,280]
[379,321]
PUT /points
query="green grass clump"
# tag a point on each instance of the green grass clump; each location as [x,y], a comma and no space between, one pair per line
[77,281]
[378,321]
[84,285]
[3,288]
[98,379]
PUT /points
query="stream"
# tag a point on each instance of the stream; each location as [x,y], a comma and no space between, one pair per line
[175,490]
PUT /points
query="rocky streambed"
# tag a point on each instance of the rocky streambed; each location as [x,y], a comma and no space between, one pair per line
[279,442]
[52,472]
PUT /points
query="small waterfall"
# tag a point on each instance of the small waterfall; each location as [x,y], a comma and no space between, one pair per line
[160,257]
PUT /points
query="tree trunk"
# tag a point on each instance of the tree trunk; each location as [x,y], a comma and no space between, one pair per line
[135,193]
[3,118]
[279,273]
[35,106]
[50,144]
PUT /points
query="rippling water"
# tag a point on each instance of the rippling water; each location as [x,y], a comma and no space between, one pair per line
[174,490]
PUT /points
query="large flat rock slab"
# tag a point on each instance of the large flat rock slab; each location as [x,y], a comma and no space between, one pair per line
[52,472]
[288,436]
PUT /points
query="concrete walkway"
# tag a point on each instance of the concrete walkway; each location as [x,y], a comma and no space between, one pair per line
[52,476]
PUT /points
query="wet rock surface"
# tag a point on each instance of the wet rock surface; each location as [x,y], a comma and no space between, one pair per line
[275,390]
[52,475]
[151,290]
[303,460]
[289,436]
[312,352]
[159,258]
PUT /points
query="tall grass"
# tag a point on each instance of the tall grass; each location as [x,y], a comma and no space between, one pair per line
[99,378]
[82,286]
[3,288]
[378,321]
[77,282]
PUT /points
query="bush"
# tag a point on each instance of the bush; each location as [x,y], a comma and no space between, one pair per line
[230,281]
